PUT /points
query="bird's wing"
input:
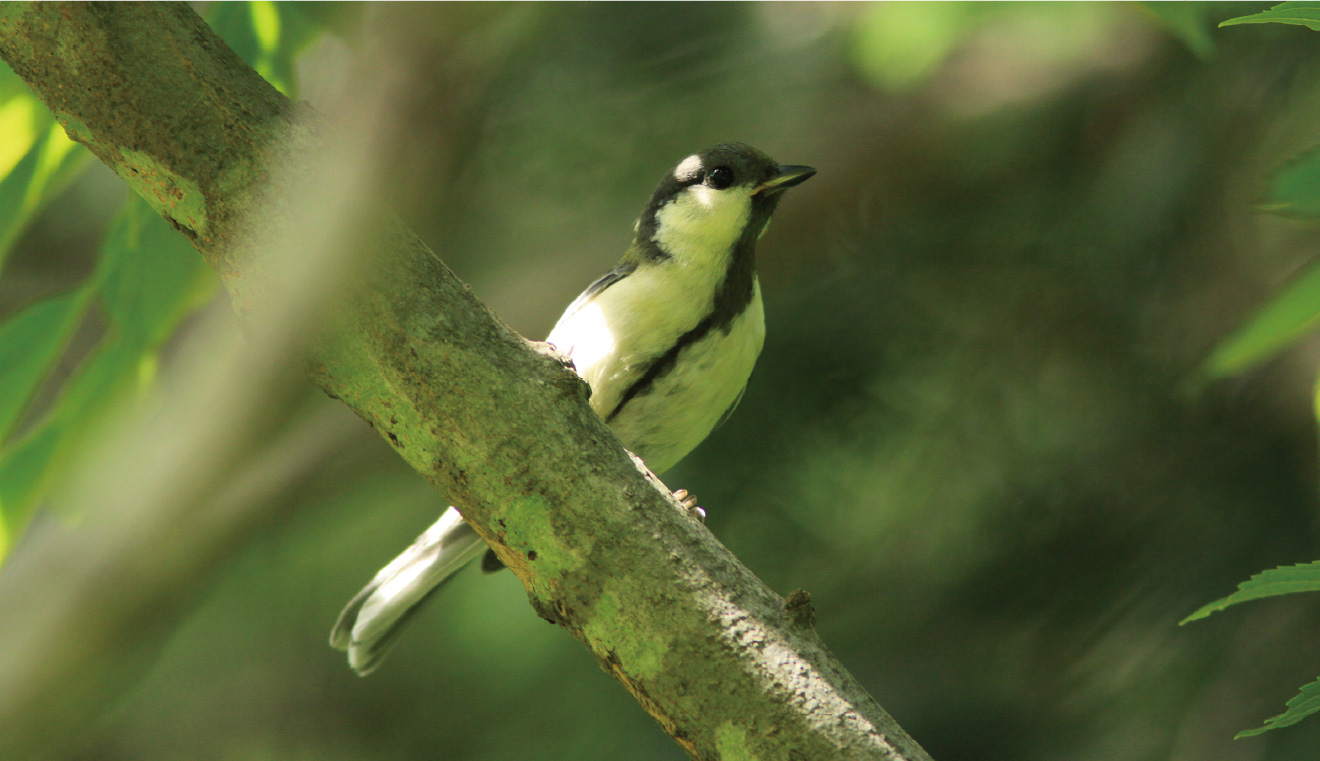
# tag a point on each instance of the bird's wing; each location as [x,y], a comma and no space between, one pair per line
[595,289]
[729,412]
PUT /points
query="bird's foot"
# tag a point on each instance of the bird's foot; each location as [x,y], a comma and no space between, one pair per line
[689,503]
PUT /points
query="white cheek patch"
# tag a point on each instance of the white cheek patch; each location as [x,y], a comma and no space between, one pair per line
[688,168]
[705,196]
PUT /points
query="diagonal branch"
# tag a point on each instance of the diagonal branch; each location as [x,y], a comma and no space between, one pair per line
[493,421]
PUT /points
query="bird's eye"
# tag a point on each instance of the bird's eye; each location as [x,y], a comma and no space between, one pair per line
[720,177]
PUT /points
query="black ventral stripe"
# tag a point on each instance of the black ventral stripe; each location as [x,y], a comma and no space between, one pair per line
[660,367]
[731,299]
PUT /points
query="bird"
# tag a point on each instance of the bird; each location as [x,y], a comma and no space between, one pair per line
[666,341]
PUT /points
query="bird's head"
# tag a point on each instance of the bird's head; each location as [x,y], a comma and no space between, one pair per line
[713,201]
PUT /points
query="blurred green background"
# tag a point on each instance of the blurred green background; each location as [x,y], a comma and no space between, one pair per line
[976,434]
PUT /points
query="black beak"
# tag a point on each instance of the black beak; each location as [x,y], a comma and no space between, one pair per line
[785,178]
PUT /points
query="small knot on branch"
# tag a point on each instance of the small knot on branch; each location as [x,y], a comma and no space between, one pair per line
[798,609]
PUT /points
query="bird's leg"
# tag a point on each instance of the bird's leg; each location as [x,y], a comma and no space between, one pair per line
[689,503]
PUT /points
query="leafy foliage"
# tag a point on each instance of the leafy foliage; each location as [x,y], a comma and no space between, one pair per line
[1278,581]
[1304,13]
[1189,22]
[1304,704]
[963,299]
[1294,192]
[46,168]
[29,344]
[270,35]
[1282,320]
[1285,580]
[147,279]
[37,158]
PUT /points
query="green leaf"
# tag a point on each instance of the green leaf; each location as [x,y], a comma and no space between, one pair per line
[1189,22]
[150,276]
[26,472]
[1304,14]
[30,467]
[1304,704]
[1278,581]
[22,120]
[30,342]
[46,168]
[270,35]
[1295,191]
[1281,321]
[149,279]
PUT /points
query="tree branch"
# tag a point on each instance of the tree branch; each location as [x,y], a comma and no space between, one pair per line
[494,422]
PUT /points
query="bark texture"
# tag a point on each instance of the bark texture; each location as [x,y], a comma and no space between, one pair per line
[497,424]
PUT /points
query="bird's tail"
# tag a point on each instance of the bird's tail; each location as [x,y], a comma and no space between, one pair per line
[373,619]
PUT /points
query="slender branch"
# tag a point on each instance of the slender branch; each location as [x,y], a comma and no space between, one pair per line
[494,422]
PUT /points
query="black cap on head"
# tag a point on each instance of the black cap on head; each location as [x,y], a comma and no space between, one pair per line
[724,166]
[720,167]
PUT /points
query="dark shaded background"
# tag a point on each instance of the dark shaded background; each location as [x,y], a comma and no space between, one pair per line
[974,434]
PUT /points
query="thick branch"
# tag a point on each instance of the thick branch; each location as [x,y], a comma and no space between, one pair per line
[499,427]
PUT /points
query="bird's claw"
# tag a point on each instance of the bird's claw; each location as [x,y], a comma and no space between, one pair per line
[689,503]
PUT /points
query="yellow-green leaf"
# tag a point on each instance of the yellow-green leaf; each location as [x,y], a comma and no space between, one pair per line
[1304,14]
[148,279]
[1189,22]
[30,342]
[1295,191]
[1302,705]
[1277,581]
[1282,320]
[46,168]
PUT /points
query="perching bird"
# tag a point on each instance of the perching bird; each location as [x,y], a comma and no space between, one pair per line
[666,340]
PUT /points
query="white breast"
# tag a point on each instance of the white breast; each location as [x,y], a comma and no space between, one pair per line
[613,340]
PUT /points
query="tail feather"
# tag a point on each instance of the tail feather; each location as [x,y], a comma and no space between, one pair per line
[373,619]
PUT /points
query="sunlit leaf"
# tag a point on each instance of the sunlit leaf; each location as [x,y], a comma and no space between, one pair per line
[268,35]
[1277,581]
[1305,14]
[46,168]
[26,471]
[30,342]
[31,465]
[37,160]
[22,120]
[1189,22]
[1295,191]
[1286,317]
[148,279]
[1304,704]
